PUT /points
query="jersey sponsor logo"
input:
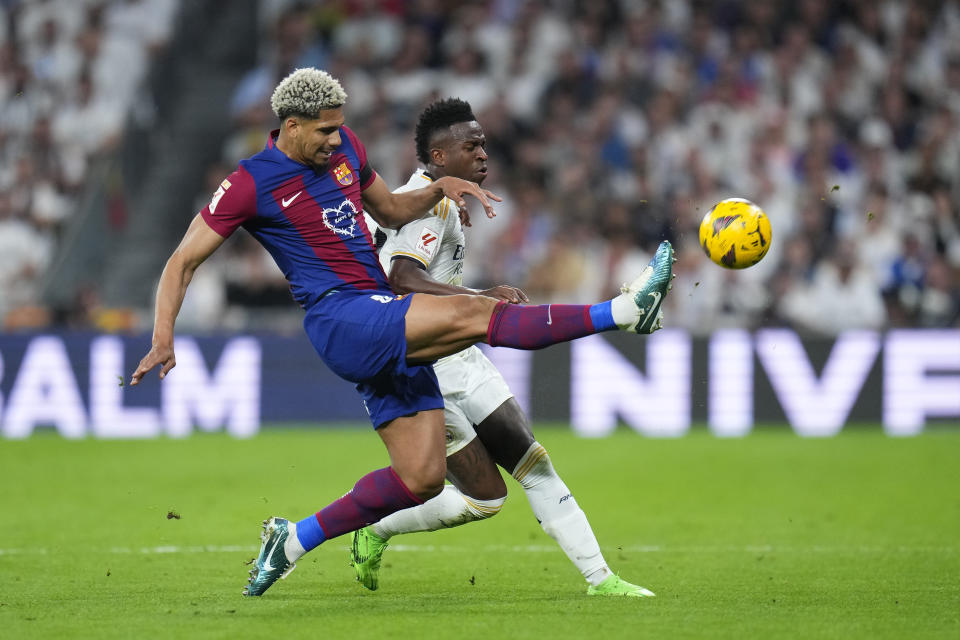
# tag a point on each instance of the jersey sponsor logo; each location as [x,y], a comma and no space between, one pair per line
[222,189]
[383,299]
[286,202]
[428,242]
[342,220]
[343,174]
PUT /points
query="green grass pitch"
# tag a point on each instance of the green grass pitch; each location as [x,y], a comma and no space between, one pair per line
[770,536]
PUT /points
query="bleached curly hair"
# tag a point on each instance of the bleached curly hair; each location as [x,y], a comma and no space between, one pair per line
[306,92]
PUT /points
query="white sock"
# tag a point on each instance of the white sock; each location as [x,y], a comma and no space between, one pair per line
[291,546]
[559,514]
[623,308]
[624,311]
[450,508]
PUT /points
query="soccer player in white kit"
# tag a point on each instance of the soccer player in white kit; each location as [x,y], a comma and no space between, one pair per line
[485,424]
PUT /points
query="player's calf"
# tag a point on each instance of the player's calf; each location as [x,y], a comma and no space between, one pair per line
[563,520]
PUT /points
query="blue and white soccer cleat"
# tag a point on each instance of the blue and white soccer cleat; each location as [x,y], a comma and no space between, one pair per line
[649,289]
[271,563]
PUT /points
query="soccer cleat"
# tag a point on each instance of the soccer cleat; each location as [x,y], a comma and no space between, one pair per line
[615,586]
[365,557]
[271,563]
[649,289]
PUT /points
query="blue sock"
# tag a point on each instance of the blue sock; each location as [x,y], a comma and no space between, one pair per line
[602,316]
[309,533]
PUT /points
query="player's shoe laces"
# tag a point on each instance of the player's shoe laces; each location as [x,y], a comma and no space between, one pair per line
[365,557]
[271,563]
[615,586]
[649,289]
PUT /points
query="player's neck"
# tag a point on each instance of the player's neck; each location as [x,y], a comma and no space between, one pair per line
[284,146]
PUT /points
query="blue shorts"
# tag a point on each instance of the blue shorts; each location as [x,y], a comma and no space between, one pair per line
[360,337]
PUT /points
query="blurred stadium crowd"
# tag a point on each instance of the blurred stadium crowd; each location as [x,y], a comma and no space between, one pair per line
[610,126]
[70,71]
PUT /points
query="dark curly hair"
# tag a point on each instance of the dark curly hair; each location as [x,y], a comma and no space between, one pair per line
[437,116]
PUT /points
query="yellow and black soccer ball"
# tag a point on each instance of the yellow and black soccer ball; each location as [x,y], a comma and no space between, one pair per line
[735,233]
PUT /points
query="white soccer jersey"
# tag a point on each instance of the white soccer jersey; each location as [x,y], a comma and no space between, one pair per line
[472,387]
[436,240]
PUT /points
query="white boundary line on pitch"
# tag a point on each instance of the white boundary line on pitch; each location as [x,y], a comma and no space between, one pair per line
[535,548]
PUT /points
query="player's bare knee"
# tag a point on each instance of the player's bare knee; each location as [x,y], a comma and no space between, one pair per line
[506,434]
[472,314]
[487,489]
[473,472]
[490,487]
[427,480]
[424,490]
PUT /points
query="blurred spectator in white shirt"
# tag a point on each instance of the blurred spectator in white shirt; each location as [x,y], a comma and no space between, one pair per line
[843,295]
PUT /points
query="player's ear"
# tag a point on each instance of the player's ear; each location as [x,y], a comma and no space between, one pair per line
[437,157]
[292,125]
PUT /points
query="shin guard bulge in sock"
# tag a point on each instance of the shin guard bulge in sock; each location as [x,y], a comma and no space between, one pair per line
[449,509]
[557,510]
[375,496]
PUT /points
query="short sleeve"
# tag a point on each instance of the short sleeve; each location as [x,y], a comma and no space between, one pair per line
[233,203]
[367,174]
[420,240]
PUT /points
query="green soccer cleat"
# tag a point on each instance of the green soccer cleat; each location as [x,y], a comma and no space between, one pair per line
[365,557]
[649,290]
[271,563]
[615,586]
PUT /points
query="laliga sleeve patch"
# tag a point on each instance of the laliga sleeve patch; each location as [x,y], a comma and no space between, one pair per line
[222,189]
[428,242]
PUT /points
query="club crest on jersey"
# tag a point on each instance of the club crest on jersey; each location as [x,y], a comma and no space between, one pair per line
[343,174]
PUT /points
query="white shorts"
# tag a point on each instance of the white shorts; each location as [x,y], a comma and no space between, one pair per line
[472,389]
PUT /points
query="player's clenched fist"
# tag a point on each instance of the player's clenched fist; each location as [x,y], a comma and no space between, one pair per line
[158,355]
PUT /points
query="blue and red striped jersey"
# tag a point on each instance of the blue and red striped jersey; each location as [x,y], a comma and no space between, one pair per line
[311,221]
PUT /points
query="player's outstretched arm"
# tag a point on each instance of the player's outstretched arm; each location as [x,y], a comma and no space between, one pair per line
[198,243]
[393,210]
[409,276]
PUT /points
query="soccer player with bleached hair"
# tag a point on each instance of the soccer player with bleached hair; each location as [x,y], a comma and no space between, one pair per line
[302,198]
[427,256]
